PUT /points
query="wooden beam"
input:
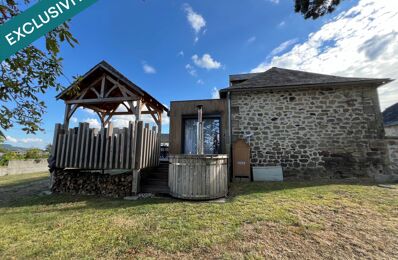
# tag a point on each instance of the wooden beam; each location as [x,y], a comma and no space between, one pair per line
[103,86]
[101,116]
[96,92]
[152,113]
[101,100]
[72,111]
[110,115]
[122,113]
[148,112]
[94,108]
[128,108]
[112,89]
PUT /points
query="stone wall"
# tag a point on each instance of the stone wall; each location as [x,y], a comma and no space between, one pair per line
[312,133]
[92,183]
[391,131]
[392,147]
[16,167]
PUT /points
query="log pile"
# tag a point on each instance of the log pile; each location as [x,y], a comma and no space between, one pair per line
[89,183]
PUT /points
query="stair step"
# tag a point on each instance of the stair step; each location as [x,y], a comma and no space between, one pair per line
[155,189]
[156,174]
[156,181]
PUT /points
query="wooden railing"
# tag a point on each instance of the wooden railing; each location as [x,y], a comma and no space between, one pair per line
[133,147]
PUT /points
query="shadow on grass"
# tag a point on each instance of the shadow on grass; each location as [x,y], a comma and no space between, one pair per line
[51,202]
[19,183]
[242,189]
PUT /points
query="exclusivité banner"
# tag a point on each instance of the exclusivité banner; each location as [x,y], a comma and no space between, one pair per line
[35,22]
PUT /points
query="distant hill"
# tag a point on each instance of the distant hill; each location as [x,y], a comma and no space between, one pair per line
[10,147]
[390,115]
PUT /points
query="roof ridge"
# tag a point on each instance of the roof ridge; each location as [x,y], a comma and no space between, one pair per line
[281,77]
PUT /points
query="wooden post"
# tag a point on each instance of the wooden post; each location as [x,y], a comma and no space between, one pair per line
[53,151]
[159,123]
[66,116]
[138,110]
[139,143]
[136,182]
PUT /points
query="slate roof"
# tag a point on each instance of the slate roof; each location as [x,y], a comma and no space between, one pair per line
[390,115]
[277,77]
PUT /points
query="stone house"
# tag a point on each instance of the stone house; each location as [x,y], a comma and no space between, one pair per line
[312,125]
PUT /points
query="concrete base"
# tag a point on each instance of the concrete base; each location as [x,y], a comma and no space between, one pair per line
[131,198]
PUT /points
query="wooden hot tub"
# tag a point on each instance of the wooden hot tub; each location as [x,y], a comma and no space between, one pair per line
[198,177]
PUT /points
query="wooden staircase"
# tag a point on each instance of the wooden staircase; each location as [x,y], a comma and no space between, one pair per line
[155,180]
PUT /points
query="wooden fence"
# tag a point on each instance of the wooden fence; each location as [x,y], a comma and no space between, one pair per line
[132,147]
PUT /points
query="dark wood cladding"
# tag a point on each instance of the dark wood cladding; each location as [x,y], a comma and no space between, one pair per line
[181,109]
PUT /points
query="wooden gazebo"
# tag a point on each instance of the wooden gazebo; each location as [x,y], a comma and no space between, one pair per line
[104,89]
[107,150]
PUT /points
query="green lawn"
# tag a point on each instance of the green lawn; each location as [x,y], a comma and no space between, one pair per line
[12,180]
[280,220]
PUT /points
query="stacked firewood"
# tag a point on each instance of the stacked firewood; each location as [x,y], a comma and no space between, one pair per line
[93,183]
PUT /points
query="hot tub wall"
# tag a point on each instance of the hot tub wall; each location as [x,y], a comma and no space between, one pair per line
[198,177]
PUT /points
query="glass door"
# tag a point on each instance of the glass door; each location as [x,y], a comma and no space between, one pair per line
[212,140]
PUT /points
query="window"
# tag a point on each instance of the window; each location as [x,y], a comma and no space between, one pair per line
[211,129]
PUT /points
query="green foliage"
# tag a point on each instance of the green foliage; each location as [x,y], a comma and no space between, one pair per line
[28,73]
[8,156]
[48,148]
[34,153]
[315,8]
[2,139]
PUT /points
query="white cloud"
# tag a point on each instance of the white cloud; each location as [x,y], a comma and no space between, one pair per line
[74,120]
[197,22]
[94,123]
[88,111]
[28,140]
[360,42]
[282,24]
[283,46]
[251,39]
[181,53]
[214,93]
[206,62]
[191,70]
[148,69]
[123,121]
[200,82]
[11,139]
[274,1]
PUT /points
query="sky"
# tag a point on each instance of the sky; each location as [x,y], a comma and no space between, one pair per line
[185,50]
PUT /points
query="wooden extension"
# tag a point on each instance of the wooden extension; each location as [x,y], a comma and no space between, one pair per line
[131,148]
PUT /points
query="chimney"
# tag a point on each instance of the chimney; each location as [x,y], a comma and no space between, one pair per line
[200,130]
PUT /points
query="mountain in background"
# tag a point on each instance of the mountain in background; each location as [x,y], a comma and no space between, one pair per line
[10,147]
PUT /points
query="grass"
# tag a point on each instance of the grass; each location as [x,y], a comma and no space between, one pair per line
[12,180]
[277,220]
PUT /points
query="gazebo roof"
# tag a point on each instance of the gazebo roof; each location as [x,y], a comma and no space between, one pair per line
[105,88]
